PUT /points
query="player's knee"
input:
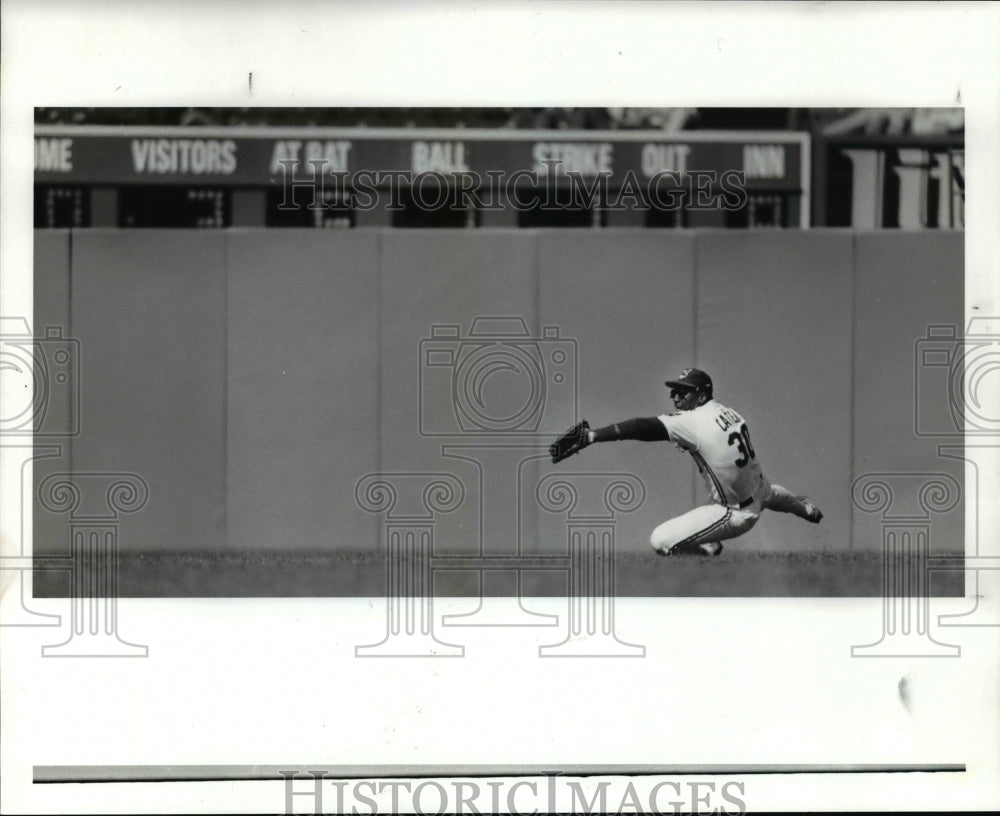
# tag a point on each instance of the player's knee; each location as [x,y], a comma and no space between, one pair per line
[656,542]
[743,523]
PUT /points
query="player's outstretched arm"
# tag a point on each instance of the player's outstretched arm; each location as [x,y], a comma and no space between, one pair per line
[643,429]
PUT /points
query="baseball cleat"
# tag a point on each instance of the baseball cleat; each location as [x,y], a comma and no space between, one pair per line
[712,548]
[813,513]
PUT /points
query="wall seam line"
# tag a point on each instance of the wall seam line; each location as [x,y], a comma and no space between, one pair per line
[74,393]
[226,237]
[696,257]
[853,383]
[379,333]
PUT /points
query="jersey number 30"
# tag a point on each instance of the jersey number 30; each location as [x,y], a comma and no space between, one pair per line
[741,439]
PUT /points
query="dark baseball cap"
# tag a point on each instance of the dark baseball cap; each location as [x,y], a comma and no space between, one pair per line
[693,378]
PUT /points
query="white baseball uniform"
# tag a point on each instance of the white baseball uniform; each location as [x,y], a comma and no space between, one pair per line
[718,440]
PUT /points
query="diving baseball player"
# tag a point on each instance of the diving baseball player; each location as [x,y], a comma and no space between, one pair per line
[719,442]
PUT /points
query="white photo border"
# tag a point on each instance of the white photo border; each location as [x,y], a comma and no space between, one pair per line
[725,681]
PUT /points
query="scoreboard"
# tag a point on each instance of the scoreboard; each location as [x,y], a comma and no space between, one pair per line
[340,178]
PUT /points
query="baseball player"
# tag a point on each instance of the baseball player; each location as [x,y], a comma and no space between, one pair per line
[718,440]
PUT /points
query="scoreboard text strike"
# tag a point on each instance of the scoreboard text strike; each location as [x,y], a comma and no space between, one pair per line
[353,169]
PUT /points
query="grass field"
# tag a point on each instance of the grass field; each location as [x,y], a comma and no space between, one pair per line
[271,574]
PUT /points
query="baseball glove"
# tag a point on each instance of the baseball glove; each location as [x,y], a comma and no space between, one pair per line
[573,441]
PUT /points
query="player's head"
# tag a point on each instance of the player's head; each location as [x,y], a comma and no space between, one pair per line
[691,389]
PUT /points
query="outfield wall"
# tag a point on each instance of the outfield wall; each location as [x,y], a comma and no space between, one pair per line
[252,378]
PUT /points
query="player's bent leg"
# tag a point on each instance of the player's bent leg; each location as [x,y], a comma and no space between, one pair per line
[700,531]
[688,529]
[783,500]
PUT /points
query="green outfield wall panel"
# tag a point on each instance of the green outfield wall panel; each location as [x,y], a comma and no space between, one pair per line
[774,331]
[302,388]
[58,409]
[459,377]
[624,298]
[149,310]
[909,311]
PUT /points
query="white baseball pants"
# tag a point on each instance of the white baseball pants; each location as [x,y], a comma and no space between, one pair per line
[718,522]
